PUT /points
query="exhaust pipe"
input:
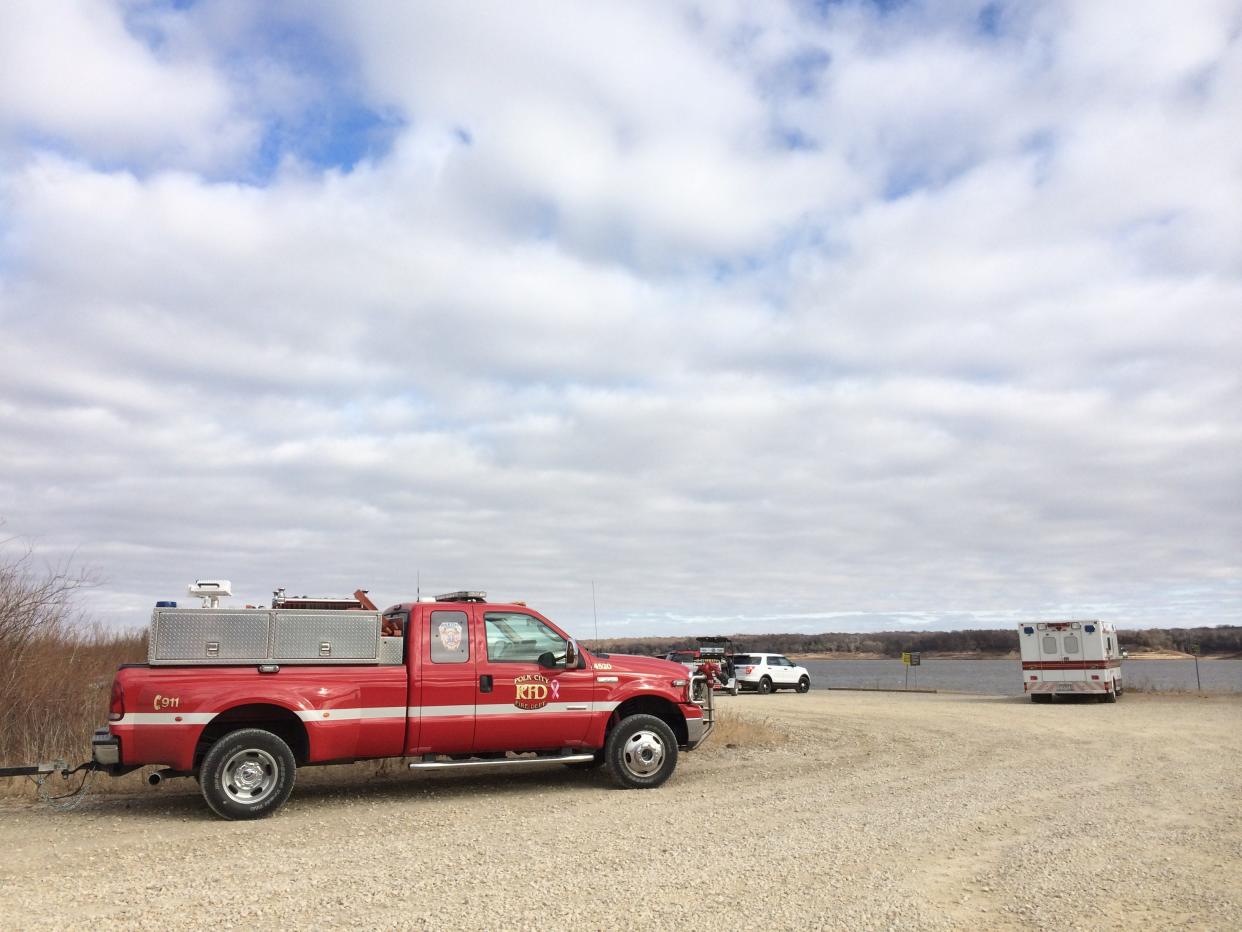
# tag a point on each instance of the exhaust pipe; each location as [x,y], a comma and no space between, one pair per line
[158,777]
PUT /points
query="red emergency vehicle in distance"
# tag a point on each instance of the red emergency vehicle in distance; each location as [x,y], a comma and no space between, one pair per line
[240,698]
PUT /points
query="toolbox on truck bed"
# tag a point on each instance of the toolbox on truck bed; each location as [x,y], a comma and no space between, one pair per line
[237,636]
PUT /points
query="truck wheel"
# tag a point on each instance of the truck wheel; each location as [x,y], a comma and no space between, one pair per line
[804,684]
[765,686]
[641,752]
[247,774]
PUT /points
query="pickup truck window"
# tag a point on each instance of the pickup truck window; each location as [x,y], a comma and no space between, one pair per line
[448,637]
[516,638]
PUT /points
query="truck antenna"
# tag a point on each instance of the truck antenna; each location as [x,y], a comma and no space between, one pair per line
[418,585]
[595,612]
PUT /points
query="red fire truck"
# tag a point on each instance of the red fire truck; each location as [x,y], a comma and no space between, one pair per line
[240,698]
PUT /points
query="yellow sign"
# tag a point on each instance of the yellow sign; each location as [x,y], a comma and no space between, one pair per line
[905,658]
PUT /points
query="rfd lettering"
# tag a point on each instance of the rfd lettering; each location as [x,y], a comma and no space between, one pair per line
[531,691]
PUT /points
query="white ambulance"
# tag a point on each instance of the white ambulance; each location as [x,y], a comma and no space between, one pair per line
[1062,658]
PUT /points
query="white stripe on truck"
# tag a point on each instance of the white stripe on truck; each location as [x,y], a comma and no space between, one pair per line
[378,712]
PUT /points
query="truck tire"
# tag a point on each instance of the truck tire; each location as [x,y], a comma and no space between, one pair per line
[641,752]
[804,684]
[765,686]
[247,774]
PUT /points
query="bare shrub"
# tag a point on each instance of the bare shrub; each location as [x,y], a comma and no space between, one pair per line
[55,669]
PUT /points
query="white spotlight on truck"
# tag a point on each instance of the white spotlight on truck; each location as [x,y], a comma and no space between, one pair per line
[210,591]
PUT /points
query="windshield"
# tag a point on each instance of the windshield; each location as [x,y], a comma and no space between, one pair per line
[683,656]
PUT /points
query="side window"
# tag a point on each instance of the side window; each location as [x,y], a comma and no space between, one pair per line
[516,638]
[1071,643]
[1050,644]
[449,637]
[1110,644]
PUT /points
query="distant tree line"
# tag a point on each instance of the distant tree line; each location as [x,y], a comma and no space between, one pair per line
[1223,639]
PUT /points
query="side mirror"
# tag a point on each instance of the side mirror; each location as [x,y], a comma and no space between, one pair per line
[547,660]
[571,654]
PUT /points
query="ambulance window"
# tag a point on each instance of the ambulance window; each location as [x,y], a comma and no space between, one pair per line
[1071,643]
[516,638]
[449,636]
[1050,644]
[1110,644]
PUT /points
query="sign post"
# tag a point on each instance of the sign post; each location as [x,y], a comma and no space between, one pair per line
[1194,649]
[911,659]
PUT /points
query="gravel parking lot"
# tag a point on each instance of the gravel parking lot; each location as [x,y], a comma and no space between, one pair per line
[869,810]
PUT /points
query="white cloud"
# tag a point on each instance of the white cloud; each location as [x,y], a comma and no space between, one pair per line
[751,315]
[72,74]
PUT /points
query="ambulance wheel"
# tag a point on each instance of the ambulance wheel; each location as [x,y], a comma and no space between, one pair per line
[804,684]
[765,686]
[247,774]
[641,752]
[1110,696]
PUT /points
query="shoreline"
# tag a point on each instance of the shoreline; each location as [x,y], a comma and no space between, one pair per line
[1012,655]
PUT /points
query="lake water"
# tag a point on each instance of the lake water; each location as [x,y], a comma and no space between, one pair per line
[1004,677]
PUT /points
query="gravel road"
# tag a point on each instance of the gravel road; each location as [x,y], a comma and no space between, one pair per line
[871,811]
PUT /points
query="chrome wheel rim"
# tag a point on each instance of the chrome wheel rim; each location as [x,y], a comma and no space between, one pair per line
[250,776]
[643,753]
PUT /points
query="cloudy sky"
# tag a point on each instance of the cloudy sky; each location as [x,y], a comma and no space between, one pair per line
[761,316]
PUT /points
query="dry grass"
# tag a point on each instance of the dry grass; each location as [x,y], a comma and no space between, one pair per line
[734,731]
[55,692]
[55,671]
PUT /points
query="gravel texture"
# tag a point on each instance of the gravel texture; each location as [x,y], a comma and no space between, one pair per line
[872,810]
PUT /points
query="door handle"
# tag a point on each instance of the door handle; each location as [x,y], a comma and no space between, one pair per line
[485,683]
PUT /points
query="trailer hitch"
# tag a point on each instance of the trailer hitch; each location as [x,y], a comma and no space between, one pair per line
[42,772]
[33,770]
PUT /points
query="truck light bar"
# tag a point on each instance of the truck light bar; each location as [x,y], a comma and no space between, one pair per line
[464,595]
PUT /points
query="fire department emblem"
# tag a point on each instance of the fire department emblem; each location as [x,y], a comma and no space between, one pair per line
[450,635]
[532,691]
